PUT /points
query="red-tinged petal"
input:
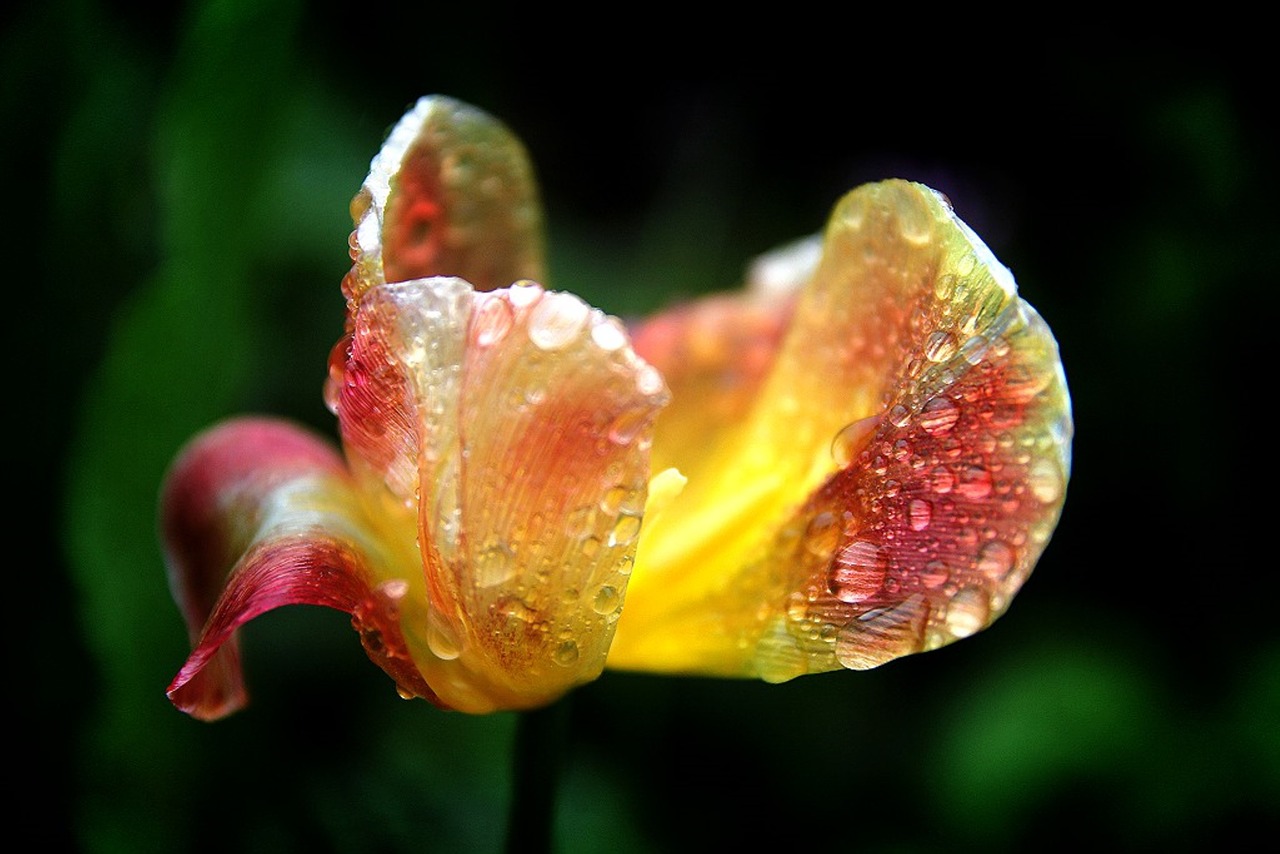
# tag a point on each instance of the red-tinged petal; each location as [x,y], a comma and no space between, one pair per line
[451,193]
[907,350]
[257,514]
[513,428]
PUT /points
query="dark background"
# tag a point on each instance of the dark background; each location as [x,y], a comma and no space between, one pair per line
[176,219]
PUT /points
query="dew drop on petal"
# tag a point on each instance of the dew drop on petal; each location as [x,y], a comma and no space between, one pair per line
[935,574]
[939,347]
[1045,481]
[881,635]
[648,381]
[628,425]
[608,335]
[441,638]
[899,415]
[939,415]
[566,653]
[858,571]
[557,320]
[974,483]
[967,612]
[492,321]
[607,600]
[942,480]
[995,559]
[625,530]
[919,514]
[822,535]
[850,440]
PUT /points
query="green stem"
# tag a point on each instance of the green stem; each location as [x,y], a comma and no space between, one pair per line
[539,756]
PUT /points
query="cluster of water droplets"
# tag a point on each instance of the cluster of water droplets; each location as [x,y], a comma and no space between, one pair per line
[947,495]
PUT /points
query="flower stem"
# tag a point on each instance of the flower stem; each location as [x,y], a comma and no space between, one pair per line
[539,748]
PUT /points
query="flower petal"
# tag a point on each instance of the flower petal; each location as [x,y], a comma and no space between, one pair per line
[913,418]
[508,433]
[257,514]
[451,193]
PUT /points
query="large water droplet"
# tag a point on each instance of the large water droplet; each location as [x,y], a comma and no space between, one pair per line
[625,530]
[967,612]
[557,320]
[607,600]
[899,415]
[919,514]
[995,559]
[492,321]
[974,483]
[881,635]
[628,425]
[935,574]
[822,535]
[1045,480]
[566,653]
[939,415]
[858,571]
[939,347]
[608,335]
[442,640]
[851,439]
[942,480]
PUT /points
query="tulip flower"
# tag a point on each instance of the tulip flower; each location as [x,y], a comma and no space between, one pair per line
[859,456]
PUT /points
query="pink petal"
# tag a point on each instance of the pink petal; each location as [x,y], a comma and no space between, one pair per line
[257,514]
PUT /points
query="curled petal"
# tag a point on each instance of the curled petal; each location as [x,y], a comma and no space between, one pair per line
[895,479]
[451,193]
[257,514]
[506,436]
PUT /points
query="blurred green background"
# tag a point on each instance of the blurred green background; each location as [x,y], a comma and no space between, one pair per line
[178,182]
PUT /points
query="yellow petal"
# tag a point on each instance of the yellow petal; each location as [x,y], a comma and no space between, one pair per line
[451,193]
[891,483]
[503,437]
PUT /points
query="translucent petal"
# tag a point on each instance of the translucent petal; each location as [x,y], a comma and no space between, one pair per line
[508,435]
[914,417]
[257,514]
[451,193]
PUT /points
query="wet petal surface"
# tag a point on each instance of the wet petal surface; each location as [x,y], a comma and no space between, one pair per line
[258,514]
[898,475]
[508,434]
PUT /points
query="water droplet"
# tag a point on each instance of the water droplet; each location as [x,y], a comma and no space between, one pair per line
[995,559]
[919,513]
[939,415]
[944,286]
[628,425]
[648,381]
[442,640]
[495,564]
[557,320]
[974,483]
[625,530]
[566,653]
[915,224]
[975,349]
[524,293]
[942,480]
[608,335]
[939,347]
[1045,481]
[899,415]
[965,264]
[967,612]
[882,635]
[492,321]
[607,600]
[851,439]
[822,535]
[858,571]
[935,574]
